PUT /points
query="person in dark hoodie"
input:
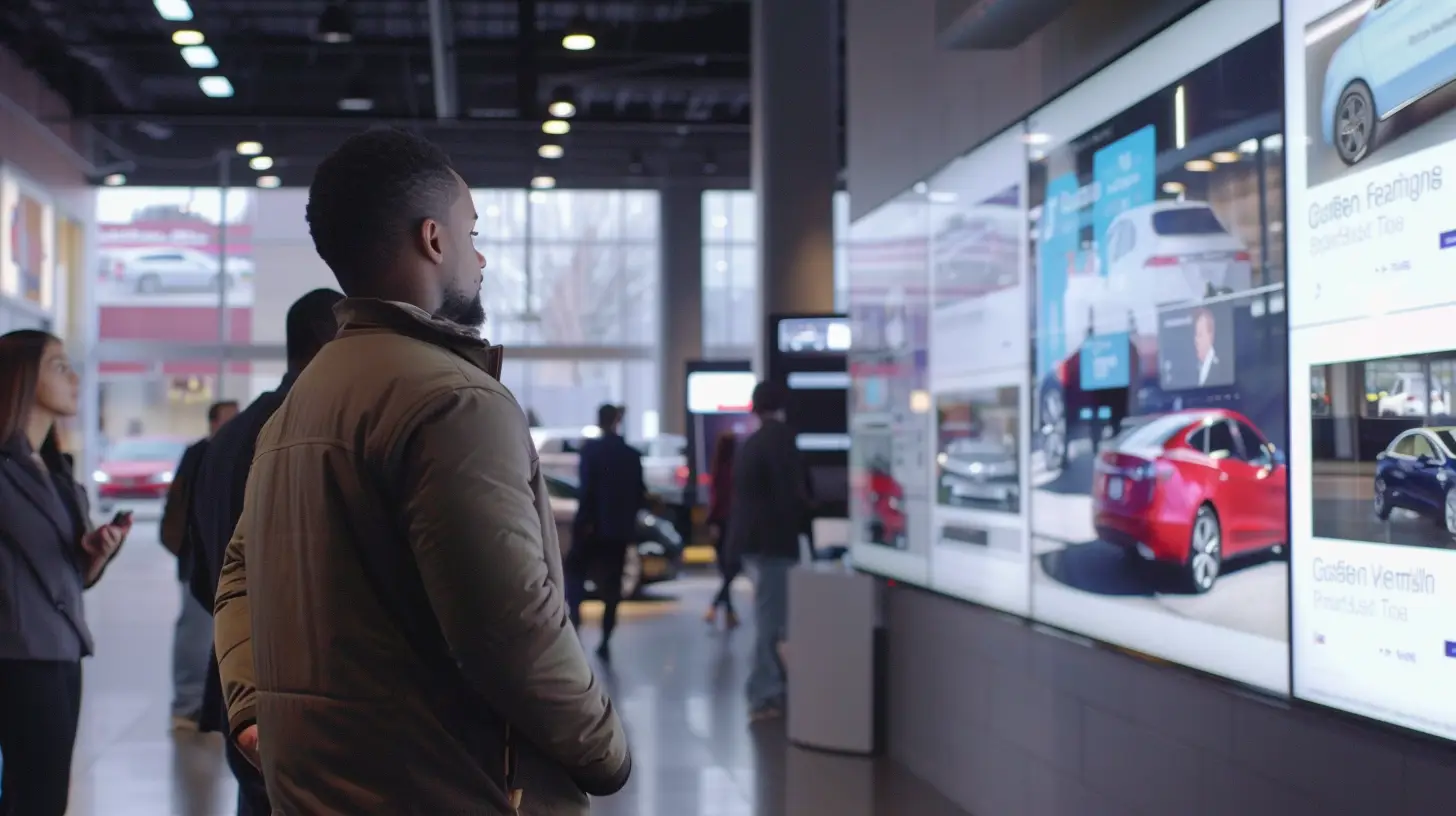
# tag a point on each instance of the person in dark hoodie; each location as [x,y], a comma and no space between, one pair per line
[217,501]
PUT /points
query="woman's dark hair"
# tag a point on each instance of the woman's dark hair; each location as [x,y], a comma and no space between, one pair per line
[21,353]
[724,449]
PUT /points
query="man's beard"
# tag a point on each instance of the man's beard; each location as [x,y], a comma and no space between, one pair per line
[463,309]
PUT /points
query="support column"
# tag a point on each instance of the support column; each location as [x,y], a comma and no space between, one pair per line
[795,154]
[680,302]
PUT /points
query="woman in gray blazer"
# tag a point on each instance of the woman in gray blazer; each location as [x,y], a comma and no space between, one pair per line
[49,553]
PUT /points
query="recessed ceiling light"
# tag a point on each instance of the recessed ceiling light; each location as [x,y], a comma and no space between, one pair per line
[114,180]
[1173,187]
[268,182]
[250,148]
[356,104]
[199,56]
[550,151]
[920,188]
[579,41]
[1199,166]
[561,109]
[1225,156]
[176,11]
[216,87]
[1249,146]
[1037,138]
[187,37]
[543,183]
[335,24]
[261,163]
[556,127]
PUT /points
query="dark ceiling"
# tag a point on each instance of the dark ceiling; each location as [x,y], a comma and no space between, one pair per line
[663,95]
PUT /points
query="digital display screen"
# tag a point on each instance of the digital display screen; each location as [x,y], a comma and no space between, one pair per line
[721,392]
[1372,238]
[1160,393]
[814,335]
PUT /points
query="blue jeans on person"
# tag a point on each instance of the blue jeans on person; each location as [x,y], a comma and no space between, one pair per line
[191,652]
[767,684]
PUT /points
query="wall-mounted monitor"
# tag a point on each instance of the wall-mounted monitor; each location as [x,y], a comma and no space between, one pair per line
[1159,394]
[1372,239]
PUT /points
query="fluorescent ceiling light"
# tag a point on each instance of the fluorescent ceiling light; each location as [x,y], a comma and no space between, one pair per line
[556,127]
[261,163]
[187,37]
[356,104]
[176,11]
[543,183]
[1225,156]
[250,148]
[1180,118]
[578,42]
[199,56]
[216,87]
[550,151]
[1173,187]
[114,180]
[941,197]
[1037,138]
[1199,166]
[268,182]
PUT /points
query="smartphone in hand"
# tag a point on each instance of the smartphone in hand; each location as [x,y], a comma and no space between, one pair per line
[122,518]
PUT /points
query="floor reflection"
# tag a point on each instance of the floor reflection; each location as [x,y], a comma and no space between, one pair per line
[678,683]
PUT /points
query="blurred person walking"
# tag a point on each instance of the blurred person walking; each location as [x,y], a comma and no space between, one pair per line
[217,502]
[719,510]
[612,493]
[770,511]
[49,554]
[192,634]
[390,624]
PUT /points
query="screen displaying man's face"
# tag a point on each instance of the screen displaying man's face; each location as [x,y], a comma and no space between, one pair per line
[1203,335]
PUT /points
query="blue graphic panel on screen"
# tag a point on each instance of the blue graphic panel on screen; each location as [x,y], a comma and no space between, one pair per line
[1060,228]
[1126,175]
[1106,362]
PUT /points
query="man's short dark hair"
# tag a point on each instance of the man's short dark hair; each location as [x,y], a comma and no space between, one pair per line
[769,397]
[608,414]
[214,411]
[311,323]
[369,195]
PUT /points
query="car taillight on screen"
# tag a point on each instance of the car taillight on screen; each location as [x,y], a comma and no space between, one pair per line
[1243,257]
[680,475]
[1162,260]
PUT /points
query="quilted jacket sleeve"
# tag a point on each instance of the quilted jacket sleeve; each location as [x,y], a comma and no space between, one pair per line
[476,531]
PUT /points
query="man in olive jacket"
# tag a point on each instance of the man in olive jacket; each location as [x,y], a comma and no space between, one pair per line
[391,630]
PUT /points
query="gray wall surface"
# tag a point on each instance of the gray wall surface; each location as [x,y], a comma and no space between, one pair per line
[1010,721]
[913,106]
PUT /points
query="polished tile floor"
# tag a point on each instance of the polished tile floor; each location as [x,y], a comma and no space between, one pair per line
[679,687]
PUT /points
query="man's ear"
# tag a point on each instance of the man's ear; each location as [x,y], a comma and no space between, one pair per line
[432,240]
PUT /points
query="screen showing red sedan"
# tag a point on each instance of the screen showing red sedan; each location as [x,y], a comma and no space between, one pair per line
[1192,489]
[138,467]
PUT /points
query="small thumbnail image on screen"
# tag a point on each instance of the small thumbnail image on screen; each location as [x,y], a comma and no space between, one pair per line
[814,335]
[1383,450]
[1196,347]
[978,462]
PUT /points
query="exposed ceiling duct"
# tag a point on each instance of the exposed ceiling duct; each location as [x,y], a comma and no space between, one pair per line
[442,58]
[992,24]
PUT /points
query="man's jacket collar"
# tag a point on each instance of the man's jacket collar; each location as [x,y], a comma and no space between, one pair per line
[365,314]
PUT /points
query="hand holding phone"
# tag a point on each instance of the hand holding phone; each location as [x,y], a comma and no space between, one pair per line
[121,519]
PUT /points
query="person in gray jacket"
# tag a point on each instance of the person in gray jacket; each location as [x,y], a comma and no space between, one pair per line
[49,553]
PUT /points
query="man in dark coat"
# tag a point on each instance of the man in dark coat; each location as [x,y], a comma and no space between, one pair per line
[770,511]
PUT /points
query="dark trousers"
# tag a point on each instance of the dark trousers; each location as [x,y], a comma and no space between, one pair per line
[729,565]
[40,708]
[252,793]
[602,561]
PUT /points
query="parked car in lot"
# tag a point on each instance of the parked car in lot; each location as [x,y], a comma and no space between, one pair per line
[1401,52]
[656,555]
[1191,488]
[1417,471]
[138,467]
[150,271]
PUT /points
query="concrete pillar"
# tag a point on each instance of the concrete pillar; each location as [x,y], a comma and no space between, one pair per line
[795,154]
[680,323]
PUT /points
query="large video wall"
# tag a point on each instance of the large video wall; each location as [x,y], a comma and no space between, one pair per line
[1105,435]
[1191,372]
